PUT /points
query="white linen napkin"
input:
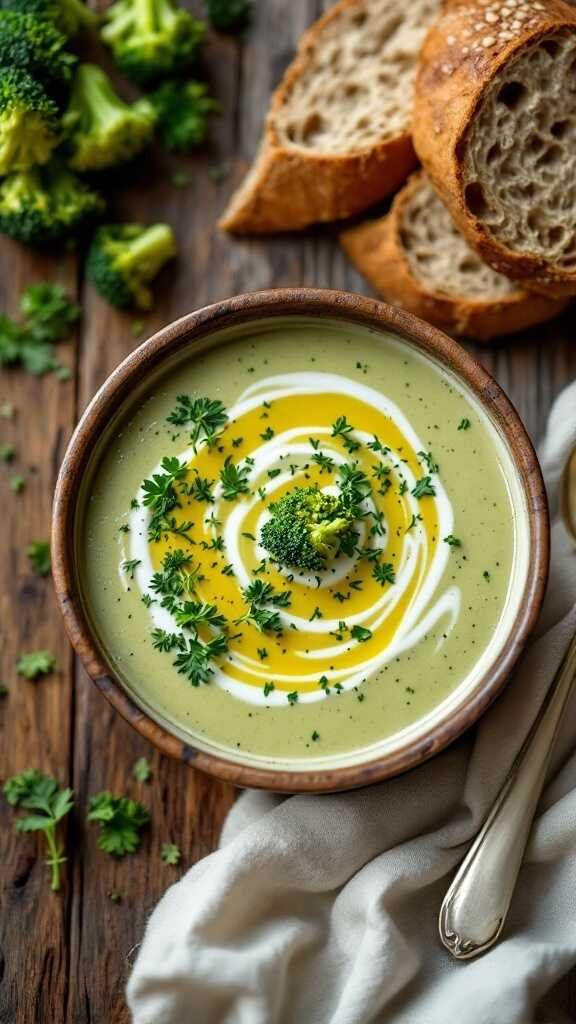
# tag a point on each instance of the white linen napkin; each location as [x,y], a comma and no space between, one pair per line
[323,909]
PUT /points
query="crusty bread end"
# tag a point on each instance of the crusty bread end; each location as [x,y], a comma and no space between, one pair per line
[416,258]
[337,138]
[495,128]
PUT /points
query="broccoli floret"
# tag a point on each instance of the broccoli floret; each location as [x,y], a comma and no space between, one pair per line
[152,39]
[182,110]
[103,129]
[69,16]
[28,122]
[36,47]
[46,204]
[229,15]
[306,528]
[124,258]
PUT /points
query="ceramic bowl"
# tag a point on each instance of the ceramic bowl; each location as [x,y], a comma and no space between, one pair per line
[465,705]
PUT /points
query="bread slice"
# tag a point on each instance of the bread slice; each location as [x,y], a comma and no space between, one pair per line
[415,257]
[495,127]
[337,136]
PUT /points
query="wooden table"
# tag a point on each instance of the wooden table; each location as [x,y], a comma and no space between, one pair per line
[64,957]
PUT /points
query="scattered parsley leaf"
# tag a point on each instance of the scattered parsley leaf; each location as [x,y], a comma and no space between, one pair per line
[40,559]
[424,488]
[464,424]
[171,854]
[36,664]
[33,791]
[361,634]
[384,573]
[121,821]
[142,770]
[453,541]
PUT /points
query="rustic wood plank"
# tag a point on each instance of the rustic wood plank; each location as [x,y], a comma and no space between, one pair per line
[35,719]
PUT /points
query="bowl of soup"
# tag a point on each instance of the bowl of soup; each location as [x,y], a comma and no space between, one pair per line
[300,539]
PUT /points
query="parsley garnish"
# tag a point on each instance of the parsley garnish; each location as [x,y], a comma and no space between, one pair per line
[130,566]
[268,687]
[171,854]
[121,821]
[292,697]
[142,770]
[426,457]
[204,416]
[341,427]
[32,791]
[464,424]
[268,434]
[195,658]
[36,664]
[361,634]
[234,479]
[423,488]
[262,653]
[384,573]
[325,463]
[39,554]
[453,541]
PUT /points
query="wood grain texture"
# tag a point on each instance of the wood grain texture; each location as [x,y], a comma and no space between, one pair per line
[65,958]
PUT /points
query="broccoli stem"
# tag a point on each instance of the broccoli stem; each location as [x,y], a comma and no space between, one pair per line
[150,249]
[93,92]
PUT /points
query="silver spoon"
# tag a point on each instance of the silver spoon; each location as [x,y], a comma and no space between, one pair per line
[475,907]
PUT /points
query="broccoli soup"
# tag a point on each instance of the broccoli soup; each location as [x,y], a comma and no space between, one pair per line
[301,541]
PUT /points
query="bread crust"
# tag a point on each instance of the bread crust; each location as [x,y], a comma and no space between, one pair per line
[290,187]
[451,83]
[377,250]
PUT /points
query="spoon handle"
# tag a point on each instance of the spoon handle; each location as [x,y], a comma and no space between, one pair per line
[475,907]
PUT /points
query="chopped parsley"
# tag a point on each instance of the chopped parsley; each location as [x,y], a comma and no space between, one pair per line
[204,417]
[361,634]
[234,479]
[36,664]
[464,424]
[453,541]
[121,823]
[384,573]
[39,554]
[423,488]
[171,854]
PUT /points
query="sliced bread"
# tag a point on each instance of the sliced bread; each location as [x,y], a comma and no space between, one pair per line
[337,136]
[416,258]
[495,127]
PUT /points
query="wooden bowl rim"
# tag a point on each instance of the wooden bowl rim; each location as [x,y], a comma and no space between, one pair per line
[326,304]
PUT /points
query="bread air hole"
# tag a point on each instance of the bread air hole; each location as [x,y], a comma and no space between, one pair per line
[559,129]
[551,156]
[512,95]
[550,47]
[312,126]
[475,199]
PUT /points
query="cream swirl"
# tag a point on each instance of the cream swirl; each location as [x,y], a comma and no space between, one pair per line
[342,625]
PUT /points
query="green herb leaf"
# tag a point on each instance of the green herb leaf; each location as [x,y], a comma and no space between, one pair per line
[121,822]
[40,559]
[464,424]
[36,664]
[205,417]
[42,794]
[384,573]
[424,488]
[142,770]
[171,854]
[361,634]
[234,480]
[453,541]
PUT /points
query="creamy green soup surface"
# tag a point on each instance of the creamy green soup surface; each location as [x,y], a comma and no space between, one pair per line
[237,652]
